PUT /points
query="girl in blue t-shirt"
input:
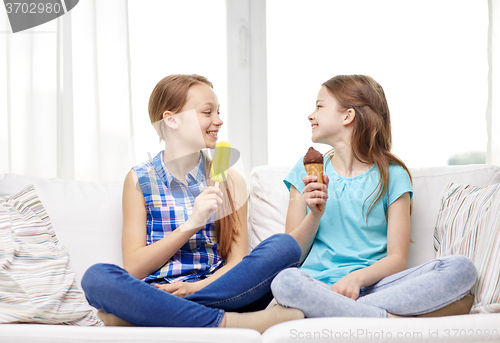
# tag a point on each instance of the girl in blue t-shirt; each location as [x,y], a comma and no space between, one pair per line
[184,240]
[355,244]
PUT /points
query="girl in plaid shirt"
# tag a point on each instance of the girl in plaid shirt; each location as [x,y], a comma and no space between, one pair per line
[184,251]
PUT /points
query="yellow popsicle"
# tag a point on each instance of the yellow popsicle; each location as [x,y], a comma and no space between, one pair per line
[220,163]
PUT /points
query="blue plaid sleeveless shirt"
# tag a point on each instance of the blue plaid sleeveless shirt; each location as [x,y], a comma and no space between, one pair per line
[169,204]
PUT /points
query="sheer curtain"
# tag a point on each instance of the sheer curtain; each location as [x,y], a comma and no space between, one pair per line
[493,112]
[65,90]
[65,102]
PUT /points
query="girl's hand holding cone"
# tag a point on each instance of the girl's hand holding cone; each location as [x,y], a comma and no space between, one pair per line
[316,193]
[313,164]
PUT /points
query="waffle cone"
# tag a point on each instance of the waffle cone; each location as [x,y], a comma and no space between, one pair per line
[315,169]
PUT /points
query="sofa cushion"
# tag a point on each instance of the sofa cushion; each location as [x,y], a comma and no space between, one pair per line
[454,329]
[469,224]
[28,333]
[36,283]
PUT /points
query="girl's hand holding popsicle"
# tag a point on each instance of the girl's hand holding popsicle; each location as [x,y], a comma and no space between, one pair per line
[211,198]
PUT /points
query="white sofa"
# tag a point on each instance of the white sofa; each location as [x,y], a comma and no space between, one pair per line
[87,220]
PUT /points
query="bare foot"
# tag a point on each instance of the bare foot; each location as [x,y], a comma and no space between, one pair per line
[459,307]
[261,320]
[111,320]
[390,315]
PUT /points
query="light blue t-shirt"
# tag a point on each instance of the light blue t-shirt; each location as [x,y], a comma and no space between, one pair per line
[346,240]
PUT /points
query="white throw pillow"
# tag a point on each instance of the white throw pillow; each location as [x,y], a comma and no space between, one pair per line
[268,203]
[469,224]
[36,283]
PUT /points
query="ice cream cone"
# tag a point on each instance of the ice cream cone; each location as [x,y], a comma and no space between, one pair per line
[315,169]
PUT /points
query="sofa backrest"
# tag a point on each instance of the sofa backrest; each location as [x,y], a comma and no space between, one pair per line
[86,216]
[269,201]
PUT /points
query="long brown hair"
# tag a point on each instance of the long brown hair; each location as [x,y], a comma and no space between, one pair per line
[170,94]
[226,227]
[371,138]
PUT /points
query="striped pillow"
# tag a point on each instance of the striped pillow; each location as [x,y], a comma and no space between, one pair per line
[36,283]
[469,224]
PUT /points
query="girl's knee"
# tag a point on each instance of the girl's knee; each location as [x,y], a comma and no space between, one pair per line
[287,244]
[99,281]
[281,279]
[288,281]
[96,275]
[90,274]
[278,238]
[284,286]
[464,269]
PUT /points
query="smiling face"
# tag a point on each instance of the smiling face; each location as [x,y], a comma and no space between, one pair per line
[327,119]
[203,104]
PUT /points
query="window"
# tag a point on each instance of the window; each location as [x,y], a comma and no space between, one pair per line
[174,37]
[429,56]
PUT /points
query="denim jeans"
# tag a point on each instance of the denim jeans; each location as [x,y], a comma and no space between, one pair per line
[414,291]
[112,289]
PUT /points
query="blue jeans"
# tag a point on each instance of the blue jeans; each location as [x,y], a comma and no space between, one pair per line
[414,291]
[112,289]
